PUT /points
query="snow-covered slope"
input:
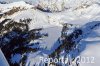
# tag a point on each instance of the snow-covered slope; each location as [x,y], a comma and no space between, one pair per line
[91,45]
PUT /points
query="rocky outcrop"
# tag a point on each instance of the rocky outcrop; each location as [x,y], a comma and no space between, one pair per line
[15,40]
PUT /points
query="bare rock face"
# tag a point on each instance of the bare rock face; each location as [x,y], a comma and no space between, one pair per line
[61,5]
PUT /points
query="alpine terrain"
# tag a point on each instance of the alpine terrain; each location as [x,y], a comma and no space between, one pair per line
[49,32]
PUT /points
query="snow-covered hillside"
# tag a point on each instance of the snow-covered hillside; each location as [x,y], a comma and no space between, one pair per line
[91,47]
[31,29]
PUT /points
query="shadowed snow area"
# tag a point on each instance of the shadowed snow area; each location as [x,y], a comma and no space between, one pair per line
[92,43]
